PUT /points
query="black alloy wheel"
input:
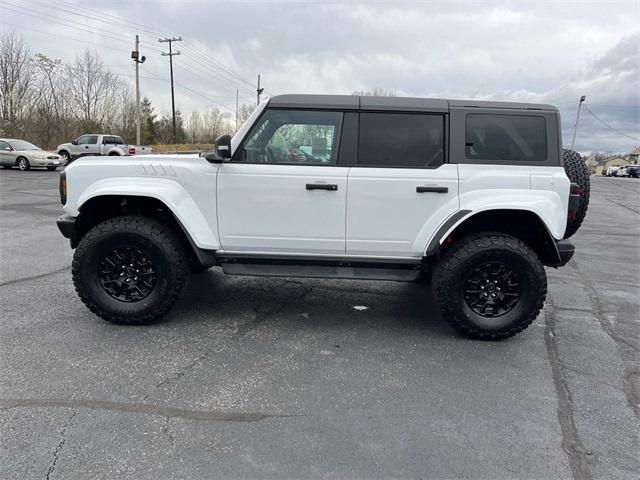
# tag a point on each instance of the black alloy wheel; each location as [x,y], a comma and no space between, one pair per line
[492,289]
[127,274]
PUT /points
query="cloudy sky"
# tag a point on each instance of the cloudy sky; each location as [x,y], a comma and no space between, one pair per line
[539,51]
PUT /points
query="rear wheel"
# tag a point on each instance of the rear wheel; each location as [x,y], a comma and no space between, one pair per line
[23,164]
[489,286]
[577,171]
[130,269]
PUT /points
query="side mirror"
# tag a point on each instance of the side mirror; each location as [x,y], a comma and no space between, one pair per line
[8,149]
[74,142]
[222,146]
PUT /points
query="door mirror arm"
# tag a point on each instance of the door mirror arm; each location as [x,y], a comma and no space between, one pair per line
[212,157]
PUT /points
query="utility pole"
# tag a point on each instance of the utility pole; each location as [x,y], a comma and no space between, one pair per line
[259,90]
[236,109]
[575,128]
[135,55]
[170,55]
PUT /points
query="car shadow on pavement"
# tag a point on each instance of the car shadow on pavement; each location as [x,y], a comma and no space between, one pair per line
[406,308]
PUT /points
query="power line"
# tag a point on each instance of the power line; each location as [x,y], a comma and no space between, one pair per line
[614,106]
[609,126]
[109,18]
[21,27]
[191,68]
[198,54]
[36,14]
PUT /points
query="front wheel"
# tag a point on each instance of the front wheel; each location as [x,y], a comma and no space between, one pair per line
[489,286]
[23,164]
[130,270]
[66,158]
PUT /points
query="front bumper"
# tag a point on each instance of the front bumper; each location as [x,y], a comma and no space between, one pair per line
[45,162]
[66,225]
[565,252]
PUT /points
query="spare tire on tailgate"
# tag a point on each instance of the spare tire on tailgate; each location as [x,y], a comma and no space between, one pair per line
[577,172]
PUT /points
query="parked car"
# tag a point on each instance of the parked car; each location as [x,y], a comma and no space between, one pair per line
[93,144]
[25,155]
[612,171]
[478,196]
[633,171]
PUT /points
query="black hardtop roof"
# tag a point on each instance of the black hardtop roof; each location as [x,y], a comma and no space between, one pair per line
[415,104]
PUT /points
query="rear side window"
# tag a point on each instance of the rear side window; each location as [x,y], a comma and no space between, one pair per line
[506,137]
[111,140]
[401,140]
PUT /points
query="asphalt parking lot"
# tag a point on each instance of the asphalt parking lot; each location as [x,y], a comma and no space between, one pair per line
[271,378]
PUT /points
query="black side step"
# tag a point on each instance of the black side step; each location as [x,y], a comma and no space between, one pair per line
[315,268]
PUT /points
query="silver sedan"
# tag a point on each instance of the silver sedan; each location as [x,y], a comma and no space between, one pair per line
[24,155]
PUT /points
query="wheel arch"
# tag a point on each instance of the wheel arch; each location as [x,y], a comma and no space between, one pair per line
[525,225]
[99,208]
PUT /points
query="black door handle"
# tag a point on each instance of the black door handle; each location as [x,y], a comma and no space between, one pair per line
[432,189]
[322,186]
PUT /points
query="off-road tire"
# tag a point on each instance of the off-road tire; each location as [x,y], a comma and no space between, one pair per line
[157,241]
[454,268]
[577,171]
[23,164]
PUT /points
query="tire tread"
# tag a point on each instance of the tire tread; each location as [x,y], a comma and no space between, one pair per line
[146,227]
[454,259]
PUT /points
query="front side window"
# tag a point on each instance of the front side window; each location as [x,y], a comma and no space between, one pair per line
[4,145]
[506,137]
[294,136]
[401,140]
[88,140]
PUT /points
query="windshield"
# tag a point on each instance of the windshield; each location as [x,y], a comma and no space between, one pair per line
[22,145]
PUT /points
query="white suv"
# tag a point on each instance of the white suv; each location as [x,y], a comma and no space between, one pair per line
[472,195]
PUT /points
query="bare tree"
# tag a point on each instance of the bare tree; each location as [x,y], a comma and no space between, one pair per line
[243,113]
[91,88]
[377,92]
[17,75]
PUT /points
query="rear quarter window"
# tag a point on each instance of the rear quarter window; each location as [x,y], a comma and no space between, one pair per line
[506,137]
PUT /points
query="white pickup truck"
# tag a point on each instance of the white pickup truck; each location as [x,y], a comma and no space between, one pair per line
[94,144]
[476,196]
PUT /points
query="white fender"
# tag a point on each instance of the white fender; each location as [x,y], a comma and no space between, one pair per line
[543,191]
[155,180]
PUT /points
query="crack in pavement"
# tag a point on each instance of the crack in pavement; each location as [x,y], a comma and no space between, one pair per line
[35,277]
[183,371]
[578,456]
[142,408]
[624,206]
[592,294]
[58,449]
[631,389]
